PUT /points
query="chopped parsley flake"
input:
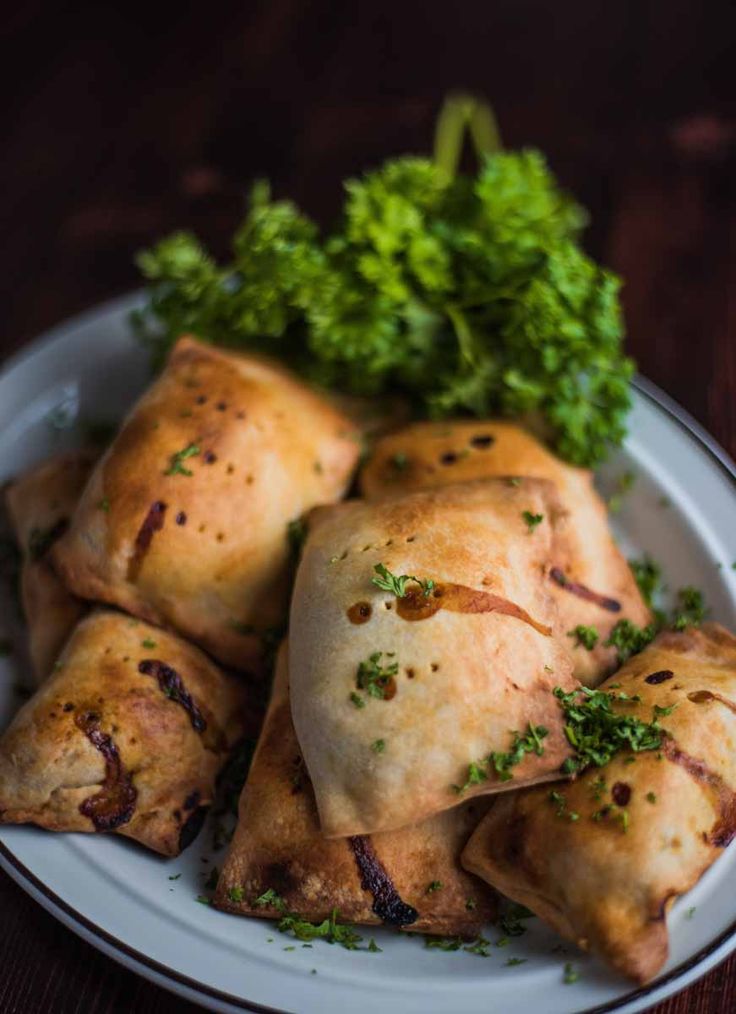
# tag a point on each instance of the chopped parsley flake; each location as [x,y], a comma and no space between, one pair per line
[690,610]
[597,733]
[148,643]
[399,461]
[175,876]
[373,947]
[104,505]
[587,637]
[690,912]
[511,962]
[389,582]
[357,700]
[204,900]
[651,797]
[378,745]
[376,678]
[329,929]
[236,894]
[470,904]
[532,520]
[628,639]
[176,465]
[501,763]
[511,924]
[569,975]
[648,575]
[435,885]
[624,484]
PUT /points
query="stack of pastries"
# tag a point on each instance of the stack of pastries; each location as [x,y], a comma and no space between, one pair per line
[416,734]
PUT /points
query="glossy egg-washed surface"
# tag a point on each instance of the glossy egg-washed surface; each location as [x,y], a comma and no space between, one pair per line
[41,503]
[383,878]
[605,882]
[458,678]
[184,520]
[127,734]
[593,583]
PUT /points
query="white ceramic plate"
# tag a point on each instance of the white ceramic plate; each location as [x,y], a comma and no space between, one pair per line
[123,900]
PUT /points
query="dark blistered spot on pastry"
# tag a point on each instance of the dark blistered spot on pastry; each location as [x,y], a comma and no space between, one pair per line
[387,903]
[171,684]
[360,612]
[704,696]
[201,399]
[457,598]
[621,793]
[68,706]
[279,877]
[448,458]
[482,441]
[152,523]
[41,540]
[659,677]
[181,518]
[221,406]
[114,804]
[583,592]
[191,827]
[410,673]
[210,458]
[724,830]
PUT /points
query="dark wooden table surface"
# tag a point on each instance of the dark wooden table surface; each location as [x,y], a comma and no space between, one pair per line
[123,121]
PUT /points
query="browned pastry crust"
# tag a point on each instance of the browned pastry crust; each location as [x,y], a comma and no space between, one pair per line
[475,659]
[433,454]
[199,542]
[40,504]
[127,734]
[605,881]
[278,845]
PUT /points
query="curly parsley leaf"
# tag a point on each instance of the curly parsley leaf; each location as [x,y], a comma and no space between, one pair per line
[468,294]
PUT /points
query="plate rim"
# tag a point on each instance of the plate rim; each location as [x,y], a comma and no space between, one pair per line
[168,978]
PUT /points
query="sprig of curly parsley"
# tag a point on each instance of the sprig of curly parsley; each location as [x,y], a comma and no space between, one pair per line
[468,294]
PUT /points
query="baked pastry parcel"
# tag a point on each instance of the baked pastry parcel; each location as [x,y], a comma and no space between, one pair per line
[648,824]
[185,520]
[127,734]
[591,581]
[40,504]
[401,694]
[410,878]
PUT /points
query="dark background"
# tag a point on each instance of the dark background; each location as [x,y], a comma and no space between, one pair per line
[123,122]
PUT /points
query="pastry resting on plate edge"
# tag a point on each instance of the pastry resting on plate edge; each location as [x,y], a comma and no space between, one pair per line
[592,582]
[385,879]
[396,700]
[184,520]
[127,734]
[40,504]
[601,859]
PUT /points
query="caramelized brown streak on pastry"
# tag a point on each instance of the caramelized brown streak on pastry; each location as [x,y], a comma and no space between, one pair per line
[592,583]
[211,465]
[381,879]
[41,504]
[100,747]
[647,825]
[391,714]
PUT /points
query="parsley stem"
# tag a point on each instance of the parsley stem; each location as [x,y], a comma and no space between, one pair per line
[460,112]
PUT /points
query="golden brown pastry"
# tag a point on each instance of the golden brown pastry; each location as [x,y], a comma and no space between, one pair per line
[184,521]
[409,878]
[592,582]
[394,698]
[126,735]
[648,824]
[41,504]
